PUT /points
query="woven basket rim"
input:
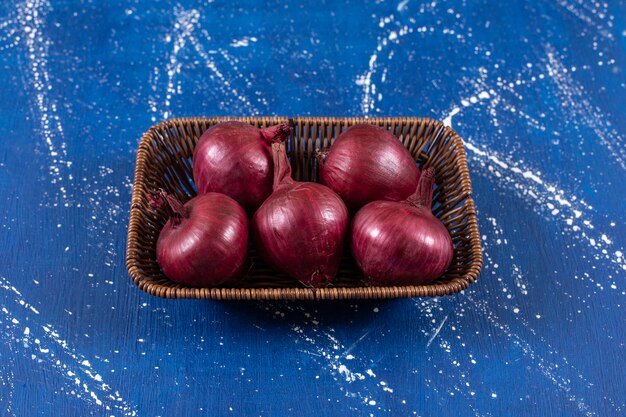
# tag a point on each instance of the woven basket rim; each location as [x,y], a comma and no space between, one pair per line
[434,289]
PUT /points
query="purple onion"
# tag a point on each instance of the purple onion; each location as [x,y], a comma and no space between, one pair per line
[300,229]
[235,159]
[402,243]
[204,243]
[367,163]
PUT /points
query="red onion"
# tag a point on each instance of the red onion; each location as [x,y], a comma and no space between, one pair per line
[402,243]
[367,163]
[300,229]
[205,242]
[235,159]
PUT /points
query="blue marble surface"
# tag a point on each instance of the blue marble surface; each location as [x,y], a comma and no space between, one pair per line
[537,91]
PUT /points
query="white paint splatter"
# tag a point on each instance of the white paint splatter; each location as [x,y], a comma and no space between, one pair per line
[436,332]
[447,121]
[31,17]
[595,15]
[323,345]
[52,350]
[185,28]
[402,6]
[550,370]
[582,109]
[185,22]
[245,41]
[365,81]
[529,183]
[226,85]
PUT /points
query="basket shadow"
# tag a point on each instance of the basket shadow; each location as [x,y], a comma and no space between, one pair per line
[346,313]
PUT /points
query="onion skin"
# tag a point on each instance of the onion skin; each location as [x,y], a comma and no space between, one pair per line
[367,163]
[235,159]
[402,243]
[300,229]
[205,242]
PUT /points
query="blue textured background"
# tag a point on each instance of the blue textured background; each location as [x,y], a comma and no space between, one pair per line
[537,91]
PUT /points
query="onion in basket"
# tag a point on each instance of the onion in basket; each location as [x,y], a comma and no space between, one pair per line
[402,243]
[204,243]
[300,229]
[367,163]
[235,159]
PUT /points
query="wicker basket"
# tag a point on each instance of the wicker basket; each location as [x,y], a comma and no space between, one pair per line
[164,161]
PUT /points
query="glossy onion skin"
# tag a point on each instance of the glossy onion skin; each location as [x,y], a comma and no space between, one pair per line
[395,243]
[367,163]
[300,230]
[234,158]
[207,248]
